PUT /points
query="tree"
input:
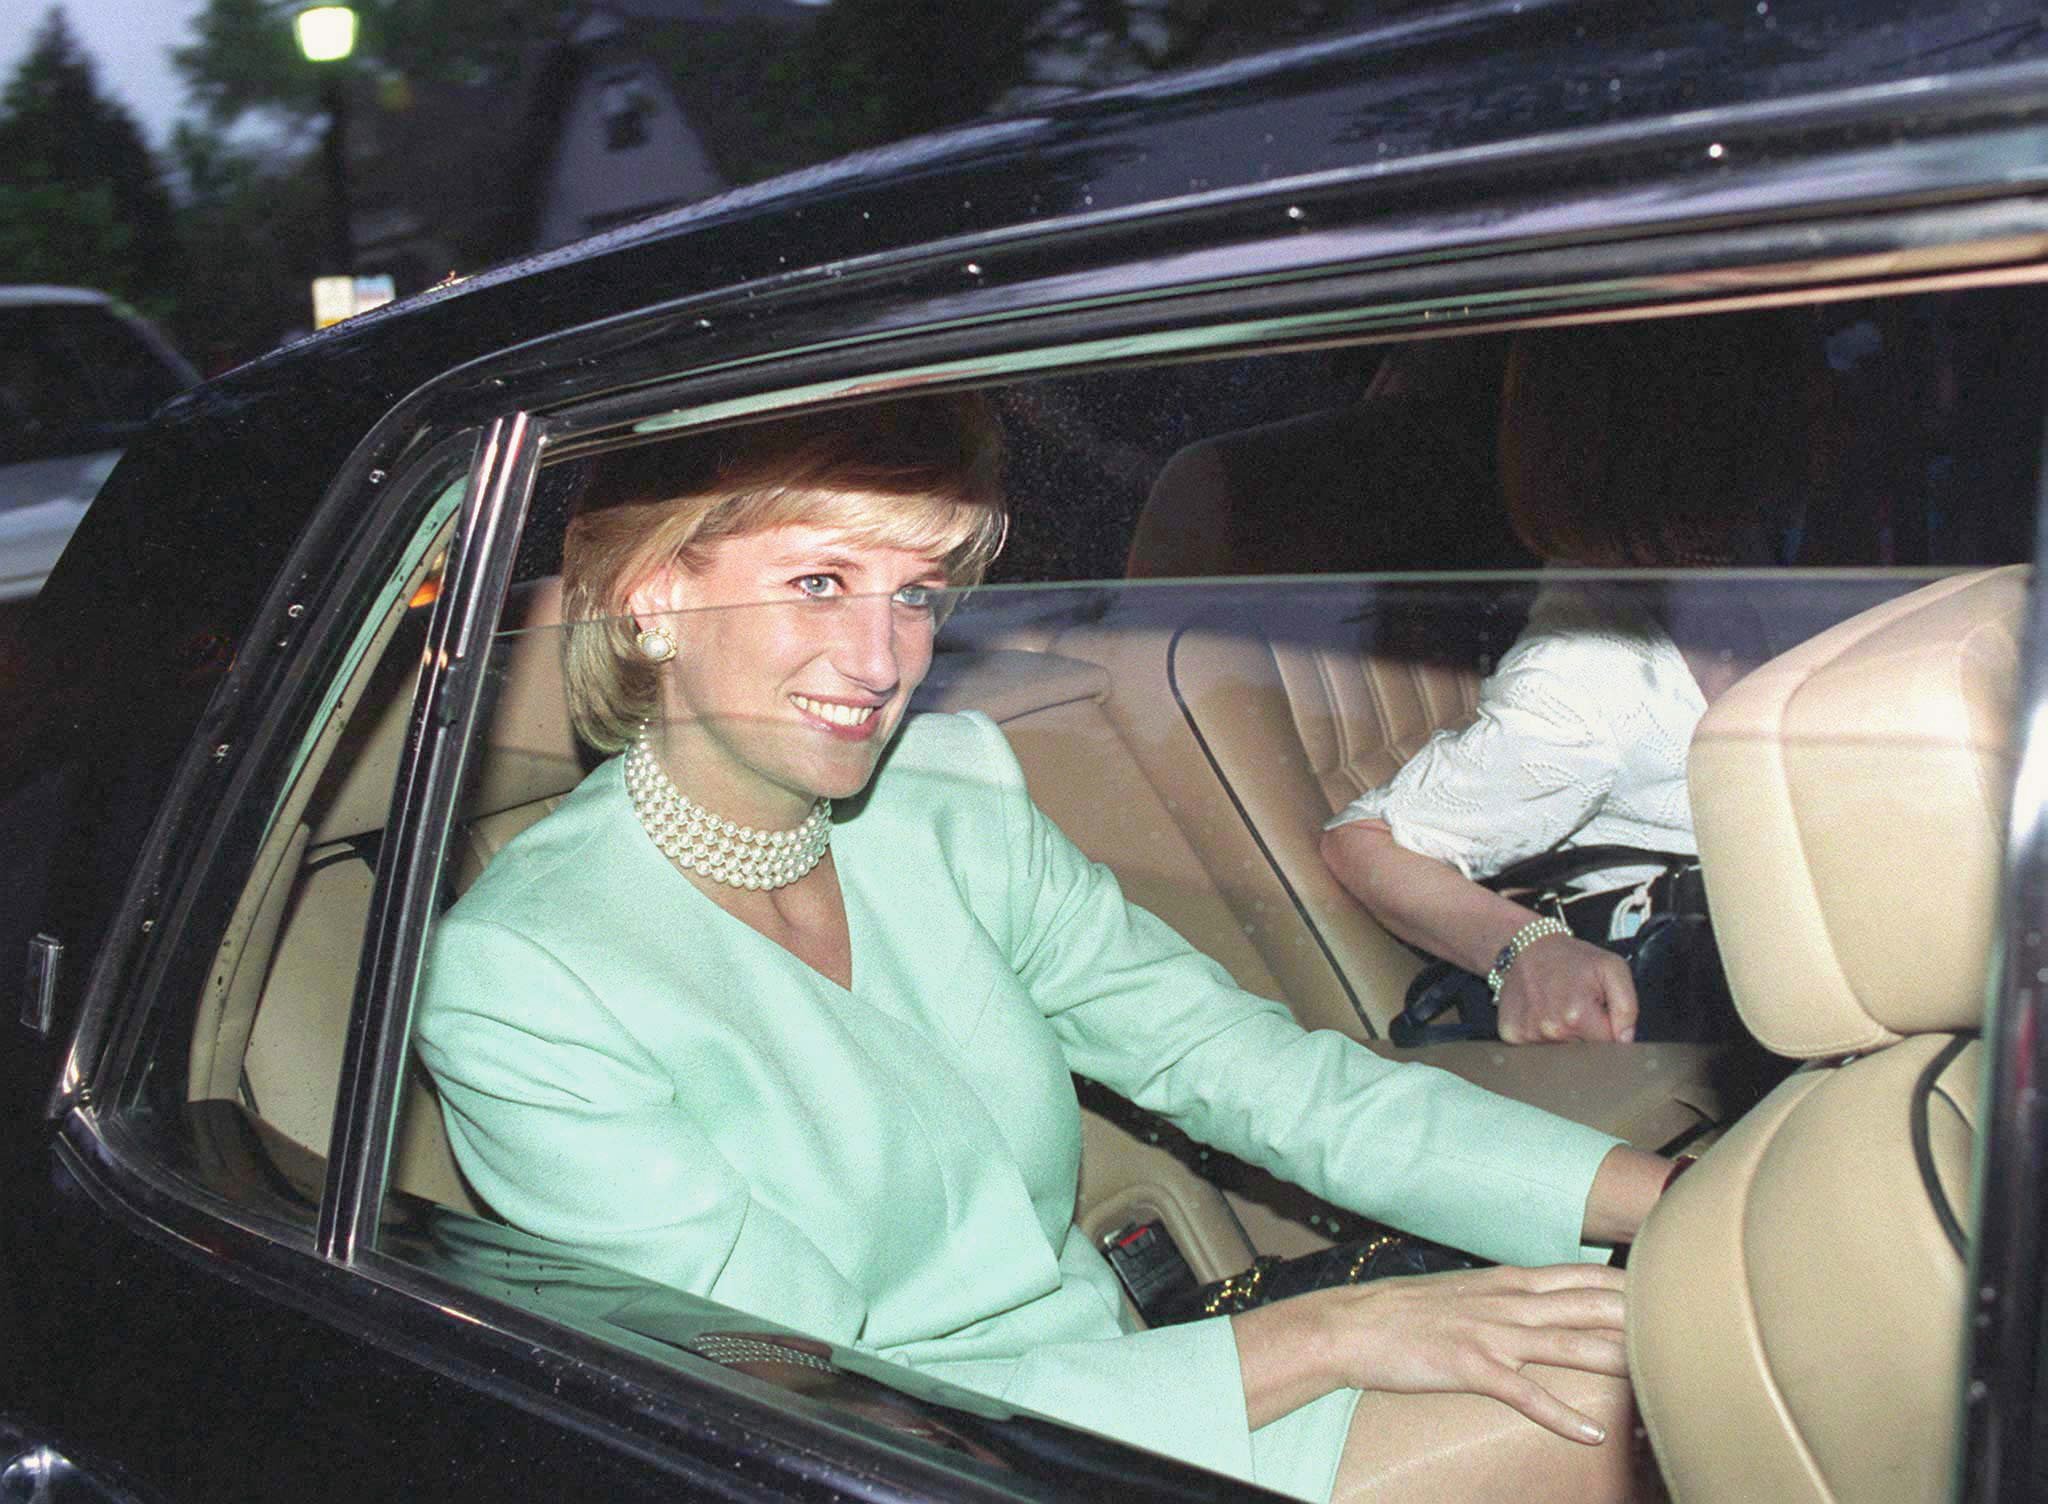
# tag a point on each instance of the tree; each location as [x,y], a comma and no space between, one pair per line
[250,227]
[84,201]
[874,71]
[473,93]
[55,232]
[769,98]
[243,56]
[896,68]
[463,193]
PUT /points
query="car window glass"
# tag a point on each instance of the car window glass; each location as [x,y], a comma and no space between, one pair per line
[1175,733]
[1913,418]
[1149,721]
[75,378]
[1190,731]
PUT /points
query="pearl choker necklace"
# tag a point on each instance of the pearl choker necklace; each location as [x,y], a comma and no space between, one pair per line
[698,841]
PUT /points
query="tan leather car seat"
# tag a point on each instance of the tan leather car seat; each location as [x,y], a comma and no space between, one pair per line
[1796,1302]
[1256,719]
[1253,717]
[287,1074]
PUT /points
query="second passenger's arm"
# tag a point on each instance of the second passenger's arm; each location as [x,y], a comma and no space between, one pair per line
[1558,988]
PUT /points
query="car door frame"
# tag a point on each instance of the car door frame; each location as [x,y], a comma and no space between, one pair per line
[930,329]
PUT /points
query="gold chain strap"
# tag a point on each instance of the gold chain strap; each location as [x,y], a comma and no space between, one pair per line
[1240,1292]
[1368,1253]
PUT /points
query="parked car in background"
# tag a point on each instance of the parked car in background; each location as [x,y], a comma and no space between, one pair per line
[79,376]
[296,679]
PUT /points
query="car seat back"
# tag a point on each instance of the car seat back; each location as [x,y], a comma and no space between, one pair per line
[1257,717]
[297,1024]
[1797,1301]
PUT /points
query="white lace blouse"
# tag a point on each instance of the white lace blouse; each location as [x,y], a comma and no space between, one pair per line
[1580,739]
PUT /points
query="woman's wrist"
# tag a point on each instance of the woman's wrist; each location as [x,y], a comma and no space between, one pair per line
[1625,1187]
[1537,927]
[1288,1353]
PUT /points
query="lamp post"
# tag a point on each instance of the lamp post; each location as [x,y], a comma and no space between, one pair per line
[326,36]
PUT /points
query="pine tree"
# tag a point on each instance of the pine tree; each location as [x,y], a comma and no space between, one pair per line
[84,201]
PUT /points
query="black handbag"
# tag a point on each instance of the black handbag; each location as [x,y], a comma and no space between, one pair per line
[1681,991]
[1385,1255]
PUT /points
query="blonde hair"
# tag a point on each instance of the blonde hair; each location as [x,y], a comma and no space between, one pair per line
[921,474]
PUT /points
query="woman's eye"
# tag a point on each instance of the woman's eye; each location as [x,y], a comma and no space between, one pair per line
[817,586]
[918,596]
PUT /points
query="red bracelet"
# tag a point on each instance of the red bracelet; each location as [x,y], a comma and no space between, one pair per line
[1679,1166]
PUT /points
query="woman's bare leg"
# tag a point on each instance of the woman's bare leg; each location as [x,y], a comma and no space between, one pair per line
[1424,1448]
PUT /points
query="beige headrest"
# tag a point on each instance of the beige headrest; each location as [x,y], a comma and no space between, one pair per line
[528,751]
[1850,799]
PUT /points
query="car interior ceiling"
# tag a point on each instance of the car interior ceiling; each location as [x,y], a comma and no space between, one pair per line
[1194,739]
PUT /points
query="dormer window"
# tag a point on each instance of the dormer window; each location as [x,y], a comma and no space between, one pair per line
[625,105]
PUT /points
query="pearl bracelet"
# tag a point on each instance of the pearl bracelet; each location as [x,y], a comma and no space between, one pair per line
[1536,929]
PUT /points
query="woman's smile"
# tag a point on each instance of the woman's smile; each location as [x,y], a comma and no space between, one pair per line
[850,721]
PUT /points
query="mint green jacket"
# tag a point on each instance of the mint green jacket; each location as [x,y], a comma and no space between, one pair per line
[627,1069]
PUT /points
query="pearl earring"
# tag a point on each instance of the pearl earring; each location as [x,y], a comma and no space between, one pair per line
[657,644]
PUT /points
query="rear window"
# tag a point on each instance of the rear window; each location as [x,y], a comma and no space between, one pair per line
[75,378]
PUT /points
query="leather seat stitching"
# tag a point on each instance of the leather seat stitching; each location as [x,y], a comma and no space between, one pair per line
[1301,909]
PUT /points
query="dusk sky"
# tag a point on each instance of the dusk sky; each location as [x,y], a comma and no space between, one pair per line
[129,40]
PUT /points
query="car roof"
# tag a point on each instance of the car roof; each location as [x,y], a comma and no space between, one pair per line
[23,295]
[1447,84]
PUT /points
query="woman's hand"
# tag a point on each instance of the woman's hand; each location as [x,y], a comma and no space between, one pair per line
[1565,988]
[1469,1332]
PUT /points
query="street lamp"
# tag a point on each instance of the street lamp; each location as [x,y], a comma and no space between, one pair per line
[326,33]
[326,36]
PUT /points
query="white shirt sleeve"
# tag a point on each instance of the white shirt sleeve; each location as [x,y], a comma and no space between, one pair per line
[1549,744]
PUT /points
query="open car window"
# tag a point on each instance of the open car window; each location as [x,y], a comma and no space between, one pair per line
[1283,575]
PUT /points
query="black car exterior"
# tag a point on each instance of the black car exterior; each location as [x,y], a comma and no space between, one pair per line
[1464,167]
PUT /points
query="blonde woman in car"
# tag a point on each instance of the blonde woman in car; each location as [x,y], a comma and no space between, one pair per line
[780,1008]
[1664,445]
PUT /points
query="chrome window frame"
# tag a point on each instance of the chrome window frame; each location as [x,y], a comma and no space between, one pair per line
[453,670]
[2000,1453]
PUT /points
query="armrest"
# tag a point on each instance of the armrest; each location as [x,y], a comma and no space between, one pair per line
[1651,1095]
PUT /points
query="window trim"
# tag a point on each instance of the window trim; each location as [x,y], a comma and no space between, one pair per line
[454,668]
[2001,1433]
[1269,301]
